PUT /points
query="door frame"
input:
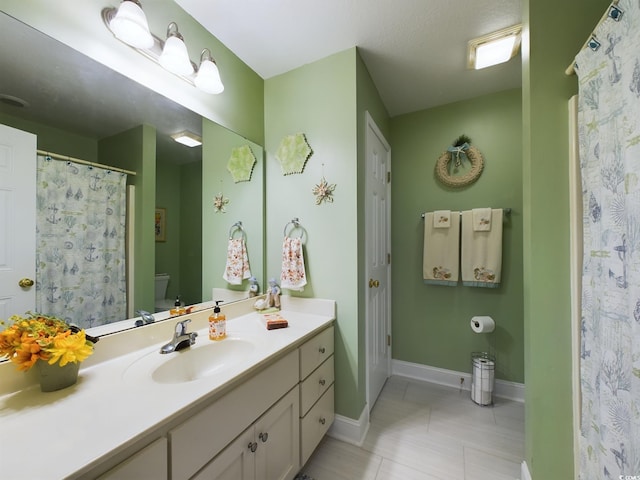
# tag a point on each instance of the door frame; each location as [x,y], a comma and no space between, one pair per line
[372,129]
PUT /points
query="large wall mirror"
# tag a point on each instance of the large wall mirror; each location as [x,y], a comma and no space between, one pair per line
[77,107]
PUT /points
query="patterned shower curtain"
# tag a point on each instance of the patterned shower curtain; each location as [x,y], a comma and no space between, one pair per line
[609,138]
[80,243]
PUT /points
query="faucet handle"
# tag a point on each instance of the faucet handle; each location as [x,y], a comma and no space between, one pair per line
[181,327]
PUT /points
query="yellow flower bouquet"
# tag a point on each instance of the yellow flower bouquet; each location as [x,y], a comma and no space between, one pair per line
[41,337]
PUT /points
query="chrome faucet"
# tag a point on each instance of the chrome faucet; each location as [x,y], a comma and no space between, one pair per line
[145,318]
[181,338]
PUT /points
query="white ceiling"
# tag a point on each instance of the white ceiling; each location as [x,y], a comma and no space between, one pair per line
[415,50]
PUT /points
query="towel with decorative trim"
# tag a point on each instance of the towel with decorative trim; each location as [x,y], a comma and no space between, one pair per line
[237,267]
[481,219]
[442,219]
[441,252]
[293,276]
[481,252]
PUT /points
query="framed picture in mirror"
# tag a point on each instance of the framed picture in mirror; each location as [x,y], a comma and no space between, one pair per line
[161,224]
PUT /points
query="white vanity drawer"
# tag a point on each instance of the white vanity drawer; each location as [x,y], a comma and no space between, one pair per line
[315,385]
[315,424]
[315,351]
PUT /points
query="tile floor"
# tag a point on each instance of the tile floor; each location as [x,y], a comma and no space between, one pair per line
[423,431]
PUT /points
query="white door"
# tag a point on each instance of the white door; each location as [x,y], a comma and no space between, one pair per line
[378,266]
[17,221]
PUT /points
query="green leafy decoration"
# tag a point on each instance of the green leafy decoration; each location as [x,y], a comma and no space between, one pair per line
[241,163]
[293,153]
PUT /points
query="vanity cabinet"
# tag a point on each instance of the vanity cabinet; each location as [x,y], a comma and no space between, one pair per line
[316,391]
[150,462]
[268,449]
[264,427]
[198,440]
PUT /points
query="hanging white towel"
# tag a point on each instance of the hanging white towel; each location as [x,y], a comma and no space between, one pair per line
[481,219]
[293,276]
[442,219]
[481,252]
[237,268]
[440,261]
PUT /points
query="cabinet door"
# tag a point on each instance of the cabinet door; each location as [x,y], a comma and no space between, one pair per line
[235,462]
[149,463]
[278,437]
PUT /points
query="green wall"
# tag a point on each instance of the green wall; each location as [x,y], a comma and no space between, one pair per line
[431,322]
[319,100]
[246,205]
[135,150]
[549,45]
[191,232]
[55,140]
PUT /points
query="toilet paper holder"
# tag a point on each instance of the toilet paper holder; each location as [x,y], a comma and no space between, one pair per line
[483,324]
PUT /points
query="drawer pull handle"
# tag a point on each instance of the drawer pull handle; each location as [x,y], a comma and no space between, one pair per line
[322,420]
[322,382]
[322,350]
[253,446]
[263,437]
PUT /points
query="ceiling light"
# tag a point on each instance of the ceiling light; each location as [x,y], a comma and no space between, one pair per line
[187,138]
[175,57]
[208,77]
[494,48]
[130,25]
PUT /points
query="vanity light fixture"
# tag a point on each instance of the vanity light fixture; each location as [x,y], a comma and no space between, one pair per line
[187,138]
[175,56]
[171,53]
[494,48]
[208,76]
[129,24]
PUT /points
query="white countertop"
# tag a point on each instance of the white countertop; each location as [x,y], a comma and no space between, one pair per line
[61,434]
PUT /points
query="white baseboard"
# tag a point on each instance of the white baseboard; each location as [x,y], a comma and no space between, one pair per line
[524,472]
[451,378]
[350,430]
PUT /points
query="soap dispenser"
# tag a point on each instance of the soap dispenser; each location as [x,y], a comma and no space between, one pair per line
[217,324]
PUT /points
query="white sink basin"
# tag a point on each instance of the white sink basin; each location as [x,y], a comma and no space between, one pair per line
[190,364]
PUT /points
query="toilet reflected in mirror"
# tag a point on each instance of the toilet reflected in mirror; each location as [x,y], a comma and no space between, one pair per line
[161,302]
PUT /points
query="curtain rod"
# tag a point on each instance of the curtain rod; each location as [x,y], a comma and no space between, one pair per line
[57,156]
[507,211]
[571,68]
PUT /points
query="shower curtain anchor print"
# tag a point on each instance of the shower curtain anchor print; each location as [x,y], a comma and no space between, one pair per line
[609,138]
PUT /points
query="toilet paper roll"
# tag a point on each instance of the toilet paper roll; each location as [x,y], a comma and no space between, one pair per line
[482,324]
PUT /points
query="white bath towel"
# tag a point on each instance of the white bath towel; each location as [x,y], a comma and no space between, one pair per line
[481,219]
[481,252]
[442,219]
[237,267]
[293,276]
[441,254]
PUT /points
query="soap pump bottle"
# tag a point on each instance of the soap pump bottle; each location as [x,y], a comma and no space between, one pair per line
[217,324]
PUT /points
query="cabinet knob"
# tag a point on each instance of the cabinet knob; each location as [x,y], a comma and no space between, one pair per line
[263,437]
[253,446]
[322,420]
[322,382]
[322,350]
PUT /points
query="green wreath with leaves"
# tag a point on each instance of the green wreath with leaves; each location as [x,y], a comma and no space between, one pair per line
[453,158]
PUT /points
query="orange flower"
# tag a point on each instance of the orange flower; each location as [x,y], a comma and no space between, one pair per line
[39,337]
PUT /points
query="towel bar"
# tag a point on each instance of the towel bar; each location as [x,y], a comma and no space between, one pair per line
[507,211]
[236,226]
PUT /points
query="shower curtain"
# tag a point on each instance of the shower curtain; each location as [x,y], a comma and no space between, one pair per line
[80,242]
[609,141]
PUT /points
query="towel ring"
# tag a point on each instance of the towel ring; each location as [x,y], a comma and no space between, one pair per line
[234,227]
[296,224]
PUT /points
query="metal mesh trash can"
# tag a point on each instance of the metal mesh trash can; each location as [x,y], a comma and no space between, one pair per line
[483,368]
